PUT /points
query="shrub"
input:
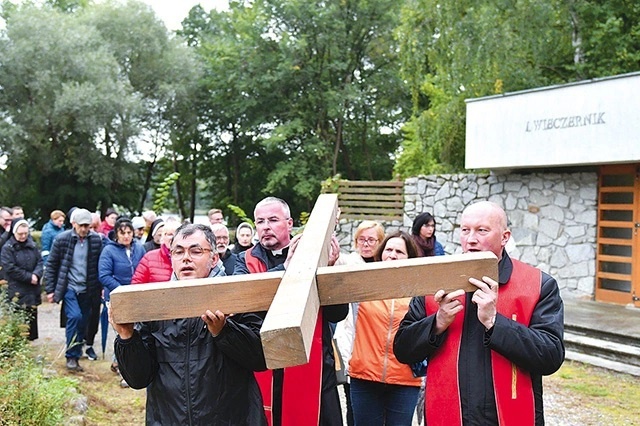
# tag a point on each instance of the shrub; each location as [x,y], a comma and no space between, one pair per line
[26,396]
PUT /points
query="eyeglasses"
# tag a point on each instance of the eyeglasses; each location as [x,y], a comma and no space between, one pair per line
[269,221]
[195,252]
[369,241]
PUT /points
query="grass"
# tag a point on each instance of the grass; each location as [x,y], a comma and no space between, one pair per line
[27,395]
[613,395]
[108,402]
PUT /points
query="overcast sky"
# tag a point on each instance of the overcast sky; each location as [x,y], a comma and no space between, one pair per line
[173,12]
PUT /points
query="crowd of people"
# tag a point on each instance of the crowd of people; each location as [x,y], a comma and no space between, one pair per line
[473,358]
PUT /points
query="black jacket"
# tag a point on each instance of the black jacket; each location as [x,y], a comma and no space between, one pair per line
[538,349]
[59,263]
[193,378]
[330,413]
[20,261]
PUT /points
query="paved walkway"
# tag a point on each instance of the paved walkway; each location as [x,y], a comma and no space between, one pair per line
[615,319]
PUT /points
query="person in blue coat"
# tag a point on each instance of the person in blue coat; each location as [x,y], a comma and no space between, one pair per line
[118,261]
[119,257]
[50,231]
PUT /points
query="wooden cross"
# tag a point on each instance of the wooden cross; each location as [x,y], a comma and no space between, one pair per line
[292,298]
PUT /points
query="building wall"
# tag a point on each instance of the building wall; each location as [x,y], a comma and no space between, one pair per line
[552,218]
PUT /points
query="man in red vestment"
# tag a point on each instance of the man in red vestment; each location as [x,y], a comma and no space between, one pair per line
[488,350]
[305,394]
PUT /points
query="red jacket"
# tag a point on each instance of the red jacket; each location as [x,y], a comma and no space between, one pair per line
[154,267]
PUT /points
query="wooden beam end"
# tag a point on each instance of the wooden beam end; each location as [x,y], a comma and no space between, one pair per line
[284,347]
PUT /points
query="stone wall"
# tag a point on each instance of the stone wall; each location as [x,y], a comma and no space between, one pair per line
[552,218]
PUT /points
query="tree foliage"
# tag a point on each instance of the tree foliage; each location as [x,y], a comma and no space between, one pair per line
[99,103]
[295,94]
[81,88]
[466,49]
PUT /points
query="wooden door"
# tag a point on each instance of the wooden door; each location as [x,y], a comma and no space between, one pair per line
[618,255]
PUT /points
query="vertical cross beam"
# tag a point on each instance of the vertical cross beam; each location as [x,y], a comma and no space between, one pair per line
[288,328]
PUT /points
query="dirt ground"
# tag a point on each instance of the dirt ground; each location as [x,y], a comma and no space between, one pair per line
[566,402]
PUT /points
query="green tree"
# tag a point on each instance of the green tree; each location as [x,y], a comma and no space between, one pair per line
[466,49]
[605,37]
[81,90]
[299,91]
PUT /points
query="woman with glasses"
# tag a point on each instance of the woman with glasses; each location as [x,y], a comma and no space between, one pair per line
[383,390]
[423,232]
[366,241]
[22,263]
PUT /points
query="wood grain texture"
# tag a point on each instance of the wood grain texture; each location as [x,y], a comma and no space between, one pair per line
[288,328]
[403,278]
[191,298]
[336,284]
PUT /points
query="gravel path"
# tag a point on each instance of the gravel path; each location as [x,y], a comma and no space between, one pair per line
[562,407]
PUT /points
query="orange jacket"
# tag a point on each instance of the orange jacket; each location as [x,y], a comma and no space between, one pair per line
[372,357]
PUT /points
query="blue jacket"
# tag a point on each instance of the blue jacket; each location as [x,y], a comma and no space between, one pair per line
[59,262]
[49,233]
[115,267]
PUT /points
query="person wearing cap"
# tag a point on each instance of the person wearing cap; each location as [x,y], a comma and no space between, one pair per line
[71,277]
[138,227]
[109,221]
[22,263]
[154,237]
[244,236]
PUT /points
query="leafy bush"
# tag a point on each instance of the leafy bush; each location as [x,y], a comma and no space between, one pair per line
[26,396]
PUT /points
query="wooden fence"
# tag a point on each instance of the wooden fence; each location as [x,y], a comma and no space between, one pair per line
[374,200]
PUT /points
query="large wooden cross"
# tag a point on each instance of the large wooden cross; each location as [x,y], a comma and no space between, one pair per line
[292,298]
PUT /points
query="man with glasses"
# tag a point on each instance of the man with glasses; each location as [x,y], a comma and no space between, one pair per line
[291,395]
[196,370]
[222,247]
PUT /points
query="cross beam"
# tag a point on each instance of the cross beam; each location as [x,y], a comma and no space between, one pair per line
[292,298]
[336,284]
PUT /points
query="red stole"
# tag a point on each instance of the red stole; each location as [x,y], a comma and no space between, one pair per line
[512,386]
[302,384]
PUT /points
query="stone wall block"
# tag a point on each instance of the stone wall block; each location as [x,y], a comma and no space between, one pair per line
[588,193]
[558,259]
[580,253]
[562,200]
[549,227]
[497,188]
[552,217]
[552,212]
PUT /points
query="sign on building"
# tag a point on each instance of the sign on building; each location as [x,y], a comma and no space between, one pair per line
[590,122]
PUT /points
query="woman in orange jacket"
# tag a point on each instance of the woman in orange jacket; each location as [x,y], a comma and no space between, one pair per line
[383,390]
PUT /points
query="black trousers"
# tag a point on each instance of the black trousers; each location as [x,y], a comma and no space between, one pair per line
[94,317]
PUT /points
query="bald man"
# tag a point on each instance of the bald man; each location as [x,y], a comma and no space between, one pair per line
[487,350]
